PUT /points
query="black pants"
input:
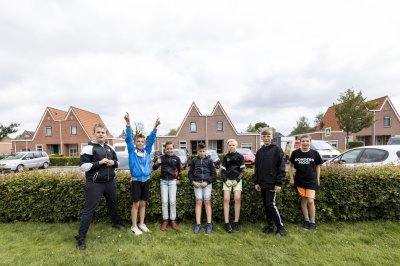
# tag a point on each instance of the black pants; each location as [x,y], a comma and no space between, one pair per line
[271,211]
[94,192]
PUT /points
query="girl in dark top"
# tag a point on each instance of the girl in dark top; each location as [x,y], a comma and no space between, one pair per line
[307,163]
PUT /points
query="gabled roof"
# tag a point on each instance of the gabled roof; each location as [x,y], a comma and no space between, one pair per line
[218,105]
[329,119]
[193,106]
[56,113]
[86,119]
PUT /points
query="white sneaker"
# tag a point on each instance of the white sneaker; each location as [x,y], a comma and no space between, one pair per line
[136,230]
[144,228]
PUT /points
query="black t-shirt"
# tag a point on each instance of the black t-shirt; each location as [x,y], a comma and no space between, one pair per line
[305,164]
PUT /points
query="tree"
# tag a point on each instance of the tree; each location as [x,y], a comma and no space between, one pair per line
[139,128]
[303,126]
[172,132]
[251,128]
[6,130]
[352,112]
[257,127]
[318,120]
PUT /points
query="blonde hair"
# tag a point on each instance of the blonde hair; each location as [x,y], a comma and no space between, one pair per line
[100,125]
[232,140]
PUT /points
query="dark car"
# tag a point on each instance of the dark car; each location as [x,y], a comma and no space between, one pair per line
[214,156]
[394,140]
[249,157]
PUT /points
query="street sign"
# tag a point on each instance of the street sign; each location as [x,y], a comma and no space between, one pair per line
[328,132]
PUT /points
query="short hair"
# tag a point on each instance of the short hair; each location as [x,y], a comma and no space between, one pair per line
[99,125]
[266,131]
[232,140]
[201,146]
[168,143]
[139,136]
[305,136]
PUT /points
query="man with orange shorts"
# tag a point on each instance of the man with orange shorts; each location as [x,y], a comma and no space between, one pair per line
[307,163]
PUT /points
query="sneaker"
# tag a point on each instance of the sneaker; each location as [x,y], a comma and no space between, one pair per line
[174,225]
[236,227]
[281,232]
[228,228]
[164,225]
[269,229]
[306,225]
[80,242]
[136,230]
[313,227]
[209,228]
[197,228]
[144,228]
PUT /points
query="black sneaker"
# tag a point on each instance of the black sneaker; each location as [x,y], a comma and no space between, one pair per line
[313,227]
[228,228]
[268,229]
[236,227]
[281,232]
[80,242]
[306,225]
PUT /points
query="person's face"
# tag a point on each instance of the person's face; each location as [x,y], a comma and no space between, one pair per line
[305,143]
[169,149]
[201,153]
[139,143]
[267,139]
[232,146]
[100,135]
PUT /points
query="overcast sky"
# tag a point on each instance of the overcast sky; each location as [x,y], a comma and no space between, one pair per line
[270,61]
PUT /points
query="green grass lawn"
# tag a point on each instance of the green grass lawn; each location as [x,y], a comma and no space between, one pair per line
[362,243]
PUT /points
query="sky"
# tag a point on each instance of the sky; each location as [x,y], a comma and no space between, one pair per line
[264,61]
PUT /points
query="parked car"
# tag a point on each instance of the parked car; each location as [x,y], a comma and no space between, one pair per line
[249,157]
[376,155]
[394,140]
[325,149]
[25,160]
[181,153]
[214,156]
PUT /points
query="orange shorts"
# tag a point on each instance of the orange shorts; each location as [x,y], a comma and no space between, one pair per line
[307,193]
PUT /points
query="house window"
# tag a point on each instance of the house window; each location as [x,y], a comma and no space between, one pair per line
[387,121]
[73,150]
[39,147]
[73,130]
[48,131]
[246,145]
[182,144]
[220,126]
[193,127]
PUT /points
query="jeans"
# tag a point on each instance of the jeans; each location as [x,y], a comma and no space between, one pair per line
[168,194]
[203,193]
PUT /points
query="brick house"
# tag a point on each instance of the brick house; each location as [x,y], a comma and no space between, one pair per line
[387,123]
[213,130]
[61,132]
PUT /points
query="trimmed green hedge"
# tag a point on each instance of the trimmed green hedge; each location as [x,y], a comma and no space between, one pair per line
[64,160]
[355,144]
[345,195]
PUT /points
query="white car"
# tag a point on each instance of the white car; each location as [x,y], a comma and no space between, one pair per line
[25,160]
[324,149]
[377,155]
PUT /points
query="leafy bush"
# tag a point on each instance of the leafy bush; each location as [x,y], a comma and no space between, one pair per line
[355,144]
[345,195]
[64,160]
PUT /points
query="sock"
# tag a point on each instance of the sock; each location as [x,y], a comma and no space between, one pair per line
[312,221]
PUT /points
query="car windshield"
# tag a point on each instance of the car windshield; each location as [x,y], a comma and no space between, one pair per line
[179,152]
[321,146]
[244,151]
[15,156]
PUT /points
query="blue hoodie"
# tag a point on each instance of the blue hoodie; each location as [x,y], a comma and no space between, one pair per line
[139,166]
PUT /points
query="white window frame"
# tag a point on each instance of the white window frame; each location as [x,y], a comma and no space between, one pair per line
[76,130]
[387,118]
[46,131]
[182,144]
[246,145]
[222,126]
[70,147]
[39,145]
[191,127]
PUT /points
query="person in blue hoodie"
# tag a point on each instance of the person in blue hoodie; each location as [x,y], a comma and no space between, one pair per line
[139,166]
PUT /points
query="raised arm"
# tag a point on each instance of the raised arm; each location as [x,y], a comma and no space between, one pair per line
[128,138]
[152,137]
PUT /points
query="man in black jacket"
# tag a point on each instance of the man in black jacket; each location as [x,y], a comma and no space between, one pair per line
[98,161]
[269,173]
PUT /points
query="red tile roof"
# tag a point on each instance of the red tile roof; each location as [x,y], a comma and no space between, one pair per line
[56,113]
[87,120]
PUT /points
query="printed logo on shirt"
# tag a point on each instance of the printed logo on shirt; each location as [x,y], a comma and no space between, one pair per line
[304,160]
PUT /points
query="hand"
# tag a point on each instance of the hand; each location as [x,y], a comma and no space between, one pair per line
[278,189]
[228,183]
[159,160]
[196,184]
[178,182]
[157,123]
[204,184]
[257,187]
[234,184]
[127,119]
[103,161]
[291,181]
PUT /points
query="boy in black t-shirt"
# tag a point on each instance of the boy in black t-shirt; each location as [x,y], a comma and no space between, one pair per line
[307,163]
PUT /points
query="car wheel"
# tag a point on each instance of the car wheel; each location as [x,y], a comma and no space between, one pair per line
[19,168]
[45,165]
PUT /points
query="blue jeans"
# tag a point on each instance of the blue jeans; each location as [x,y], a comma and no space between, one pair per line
[168,195]
[203,193]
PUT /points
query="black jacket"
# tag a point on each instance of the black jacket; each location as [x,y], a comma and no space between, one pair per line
[170,166]
[202,170]
[232,167]
[91,155]
[269,168]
